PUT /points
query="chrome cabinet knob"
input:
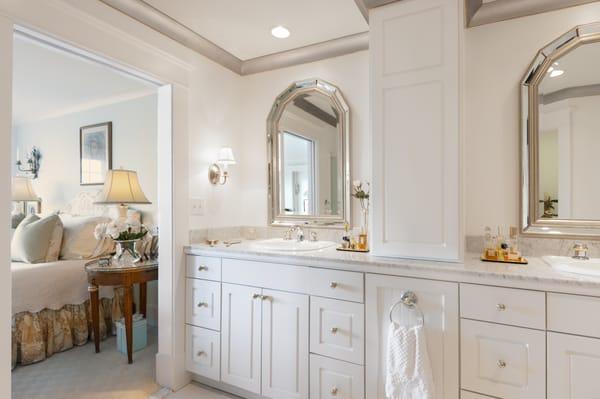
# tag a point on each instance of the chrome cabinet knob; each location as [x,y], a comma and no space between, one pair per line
[254,296]
[334,330]
[334,391]
[501,307]
[202,304]
[201,353]
[266,298]
[501,364]
[333,284]
[202,268]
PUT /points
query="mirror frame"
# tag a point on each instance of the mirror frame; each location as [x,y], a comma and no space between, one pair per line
[274,161]
[531,224]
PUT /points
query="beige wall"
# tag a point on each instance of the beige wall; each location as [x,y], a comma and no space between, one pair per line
[497,56]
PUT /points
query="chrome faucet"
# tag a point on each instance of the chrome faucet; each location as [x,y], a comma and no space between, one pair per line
[295,229]
[580,250]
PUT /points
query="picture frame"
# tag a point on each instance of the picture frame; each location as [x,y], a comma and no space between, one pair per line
[95,153]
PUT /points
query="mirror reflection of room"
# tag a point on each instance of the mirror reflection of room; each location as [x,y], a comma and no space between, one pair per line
[310,157]
[569,100]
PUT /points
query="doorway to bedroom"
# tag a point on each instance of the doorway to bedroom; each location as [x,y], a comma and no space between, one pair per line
[85,223]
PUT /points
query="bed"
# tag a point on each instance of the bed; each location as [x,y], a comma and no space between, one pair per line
[50,301]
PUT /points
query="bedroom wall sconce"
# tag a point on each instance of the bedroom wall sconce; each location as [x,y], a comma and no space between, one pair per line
[217,172]
[33,162]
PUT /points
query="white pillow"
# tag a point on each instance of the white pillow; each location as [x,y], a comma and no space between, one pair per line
[55,242]
[31,240]
[78,237]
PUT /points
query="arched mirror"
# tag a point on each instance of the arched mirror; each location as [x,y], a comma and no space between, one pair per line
[561,137]
[308,150]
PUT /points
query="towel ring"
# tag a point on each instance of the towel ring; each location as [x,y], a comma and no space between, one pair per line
[408,299]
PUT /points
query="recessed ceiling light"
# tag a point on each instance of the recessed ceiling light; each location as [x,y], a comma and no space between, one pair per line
[280,32]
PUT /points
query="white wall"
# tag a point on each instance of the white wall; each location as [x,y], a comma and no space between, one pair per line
[134,142]
[350,73]
[497,56]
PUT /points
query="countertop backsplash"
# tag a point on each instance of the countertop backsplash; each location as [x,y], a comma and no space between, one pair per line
[199,236]
[535,246]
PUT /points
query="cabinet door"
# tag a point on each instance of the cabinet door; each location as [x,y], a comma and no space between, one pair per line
[284,345]
[414,47]
[202,352]
[573,364]
[439,303]
[240,339]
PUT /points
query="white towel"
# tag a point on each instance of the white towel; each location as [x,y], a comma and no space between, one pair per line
[408,374]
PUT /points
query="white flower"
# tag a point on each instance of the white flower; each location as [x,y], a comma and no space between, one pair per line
[100,231]
[114,229]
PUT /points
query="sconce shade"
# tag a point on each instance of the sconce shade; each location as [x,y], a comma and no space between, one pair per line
[22,189]
[226,156]
[122,187]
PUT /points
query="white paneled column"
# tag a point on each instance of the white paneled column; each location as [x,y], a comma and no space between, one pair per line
[415,97]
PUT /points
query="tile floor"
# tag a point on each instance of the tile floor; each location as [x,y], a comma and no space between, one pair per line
[80,373]
[195,391]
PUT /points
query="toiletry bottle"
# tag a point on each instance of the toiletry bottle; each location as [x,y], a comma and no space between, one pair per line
[489,247]
[501,245]
[514,252]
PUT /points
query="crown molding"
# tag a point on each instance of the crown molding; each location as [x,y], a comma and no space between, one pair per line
[479,13]
[162,23]
[314,52]
[362,7]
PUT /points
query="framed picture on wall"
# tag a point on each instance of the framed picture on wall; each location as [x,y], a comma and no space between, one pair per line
[95,153]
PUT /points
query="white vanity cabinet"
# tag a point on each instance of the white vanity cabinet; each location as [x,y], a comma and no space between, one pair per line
[415,102]
[439,303]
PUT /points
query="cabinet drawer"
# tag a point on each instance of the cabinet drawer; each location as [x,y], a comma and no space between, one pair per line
[202,352]
[503,361]
[336,284]
[203,303]
[574,314]
[334,379]
[573,364]
[472,395]
[337,329]
[503,305]
[206,267]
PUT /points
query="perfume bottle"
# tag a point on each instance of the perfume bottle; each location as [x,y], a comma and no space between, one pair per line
[489,244]
[513,244]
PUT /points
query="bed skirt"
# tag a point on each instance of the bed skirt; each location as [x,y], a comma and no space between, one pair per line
[37,336]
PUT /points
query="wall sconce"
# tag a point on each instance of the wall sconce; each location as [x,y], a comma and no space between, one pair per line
[217,172]
[33,162]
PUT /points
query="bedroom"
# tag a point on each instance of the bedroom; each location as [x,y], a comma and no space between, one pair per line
[78,124]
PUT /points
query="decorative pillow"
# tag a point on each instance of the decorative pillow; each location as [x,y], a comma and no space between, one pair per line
[78,237]
[55,242]
[32,238]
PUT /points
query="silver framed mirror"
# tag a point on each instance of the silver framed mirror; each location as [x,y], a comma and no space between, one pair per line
[560,137]
[308,148]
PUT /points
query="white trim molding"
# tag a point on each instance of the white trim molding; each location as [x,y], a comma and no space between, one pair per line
[480,13]
[162,23]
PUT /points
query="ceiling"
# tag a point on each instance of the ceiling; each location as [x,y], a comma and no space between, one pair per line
[581,68]
[243,28]
[48,82]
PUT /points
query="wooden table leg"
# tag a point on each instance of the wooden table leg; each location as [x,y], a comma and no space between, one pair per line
[143,296]
[129,322]
[95,305]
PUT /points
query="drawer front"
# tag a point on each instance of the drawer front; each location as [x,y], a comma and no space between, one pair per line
[503,361]
[574,314]
[573,364]
[337,329]
[203,303]
[472,395]
[334,379]
[328,283]
[205,267]
[202,352]
[503,305]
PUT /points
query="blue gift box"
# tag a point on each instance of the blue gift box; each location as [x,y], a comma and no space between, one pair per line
[140,334]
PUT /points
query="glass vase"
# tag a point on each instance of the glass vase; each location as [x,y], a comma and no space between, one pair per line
[127,253]
[363,238]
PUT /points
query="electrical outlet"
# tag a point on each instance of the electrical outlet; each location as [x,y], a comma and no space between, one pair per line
[197,206]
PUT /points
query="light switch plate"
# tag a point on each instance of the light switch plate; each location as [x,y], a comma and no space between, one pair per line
[197,206]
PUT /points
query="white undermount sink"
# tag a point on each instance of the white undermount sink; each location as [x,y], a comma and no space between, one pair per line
[590,267]
[279,244]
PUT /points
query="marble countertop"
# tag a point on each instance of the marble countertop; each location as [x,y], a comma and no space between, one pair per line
[535,275]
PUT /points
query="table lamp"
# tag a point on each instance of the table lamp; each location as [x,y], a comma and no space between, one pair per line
[122,187]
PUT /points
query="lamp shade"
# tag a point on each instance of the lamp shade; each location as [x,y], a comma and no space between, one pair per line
[122,187]
[22,190]
[226,156]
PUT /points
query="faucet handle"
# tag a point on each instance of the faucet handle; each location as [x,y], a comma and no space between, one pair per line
[580,250]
